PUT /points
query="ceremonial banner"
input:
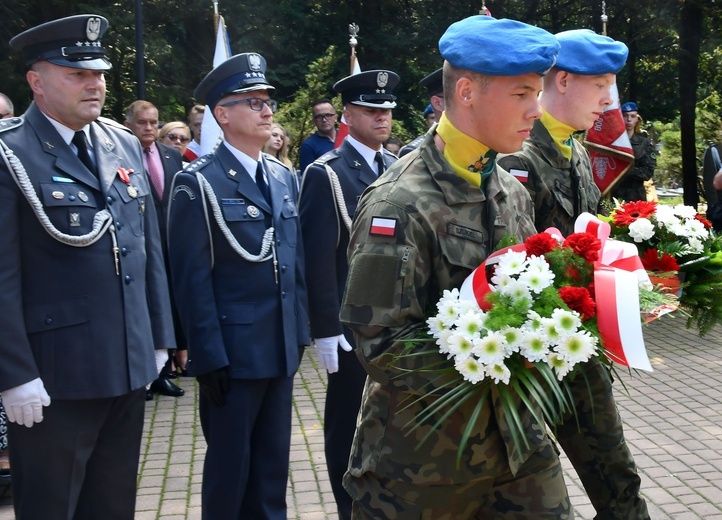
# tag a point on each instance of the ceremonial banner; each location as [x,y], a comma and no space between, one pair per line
[211,135]
[609,146]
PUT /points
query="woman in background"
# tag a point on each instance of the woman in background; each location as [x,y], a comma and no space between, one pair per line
[175,134]
[277,146]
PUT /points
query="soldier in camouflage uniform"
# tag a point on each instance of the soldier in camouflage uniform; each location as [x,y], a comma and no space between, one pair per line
[420,229]
[556,170]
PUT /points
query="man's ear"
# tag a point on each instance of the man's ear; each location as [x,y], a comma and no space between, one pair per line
[561,80]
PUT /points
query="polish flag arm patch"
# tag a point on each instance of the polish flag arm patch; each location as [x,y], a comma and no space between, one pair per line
[521,175]
[383,226]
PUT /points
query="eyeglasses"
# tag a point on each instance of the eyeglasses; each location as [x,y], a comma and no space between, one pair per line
[320,117]
[255,103]
[176,137]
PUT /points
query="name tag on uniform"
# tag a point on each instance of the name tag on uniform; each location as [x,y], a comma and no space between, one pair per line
[233,202]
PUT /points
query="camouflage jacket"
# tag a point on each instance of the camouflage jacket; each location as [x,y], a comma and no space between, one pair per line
[418,230]
[560,189]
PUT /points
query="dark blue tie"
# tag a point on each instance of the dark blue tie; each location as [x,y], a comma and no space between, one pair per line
[81,143]
[261,183]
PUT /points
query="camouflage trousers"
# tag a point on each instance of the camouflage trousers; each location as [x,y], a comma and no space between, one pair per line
[595,445]
[536,492]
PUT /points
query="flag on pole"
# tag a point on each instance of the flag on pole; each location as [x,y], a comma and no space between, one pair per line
[211,135]
[609,146]
[342,131]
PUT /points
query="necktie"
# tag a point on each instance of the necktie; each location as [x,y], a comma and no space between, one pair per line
[156,179]
[261,183]
[81,143]
[379,159]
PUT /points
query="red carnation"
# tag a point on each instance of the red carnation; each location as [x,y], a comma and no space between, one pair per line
[578,299]
[540,244]
[631,211]
[703,220]
[585,245]
[652,262]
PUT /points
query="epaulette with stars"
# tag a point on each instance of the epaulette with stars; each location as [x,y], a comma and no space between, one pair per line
[331,154]
[199,163]
[10,123]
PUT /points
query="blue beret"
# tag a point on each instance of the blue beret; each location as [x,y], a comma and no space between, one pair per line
[629,106]
[503,47]
[428,110]
[373,88]
[72,42]
[585,52]
[238,74]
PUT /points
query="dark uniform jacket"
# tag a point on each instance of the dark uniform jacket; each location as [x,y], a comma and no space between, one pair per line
[560,189]
[325,236]
[233,311]
[67,316]
[631,185]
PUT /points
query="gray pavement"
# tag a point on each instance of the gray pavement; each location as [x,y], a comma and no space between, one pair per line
[673,423]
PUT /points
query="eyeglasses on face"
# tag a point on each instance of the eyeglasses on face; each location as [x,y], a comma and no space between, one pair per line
[321,117]
[255,103]
[176,137]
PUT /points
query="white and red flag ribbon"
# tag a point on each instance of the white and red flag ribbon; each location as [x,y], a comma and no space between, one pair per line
[211,135]
[342,131]
[609,146]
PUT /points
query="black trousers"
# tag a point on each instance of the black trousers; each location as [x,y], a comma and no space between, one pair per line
[80,462]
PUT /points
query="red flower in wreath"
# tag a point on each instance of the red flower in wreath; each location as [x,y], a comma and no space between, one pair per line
[631,211]
[652,261]
[707,224]
[585,245]
[540,244]
[578,299]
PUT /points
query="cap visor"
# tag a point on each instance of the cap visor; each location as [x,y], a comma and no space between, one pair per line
[385,104]
[252,88]
[94,64]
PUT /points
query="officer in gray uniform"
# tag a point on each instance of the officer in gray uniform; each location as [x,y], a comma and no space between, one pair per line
[83,288]
[557,172]
[236,259]
[421,229]
[331,188]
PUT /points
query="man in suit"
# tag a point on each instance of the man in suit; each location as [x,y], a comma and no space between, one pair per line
[321,141]
[331,188]
[161,164]
[83,287]
[236,257]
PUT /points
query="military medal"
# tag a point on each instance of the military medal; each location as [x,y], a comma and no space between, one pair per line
[253,211]
[132,191]
[124,175]
[82,196]
[58,195]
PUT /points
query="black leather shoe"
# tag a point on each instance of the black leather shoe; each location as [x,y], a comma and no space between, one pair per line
[149,395]
[163,386]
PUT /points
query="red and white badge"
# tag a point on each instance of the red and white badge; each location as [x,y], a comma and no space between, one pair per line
[383,226]
[520,175]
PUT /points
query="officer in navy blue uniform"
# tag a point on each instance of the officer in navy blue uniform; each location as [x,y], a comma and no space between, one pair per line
[236,256]
[83,288]
[331,188]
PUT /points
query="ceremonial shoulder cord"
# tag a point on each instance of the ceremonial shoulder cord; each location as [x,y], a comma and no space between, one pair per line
[340,201]
[102,221]
[267,243]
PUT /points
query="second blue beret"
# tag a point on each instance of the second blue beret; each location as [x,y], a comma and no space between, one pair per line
[585,52]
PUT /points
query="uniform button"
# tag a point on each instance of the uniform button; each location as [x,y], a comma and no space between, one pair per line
[223,318]
[284,268]
[110,199]
[128,279]
[118,226]
[71,197]
[48,320]
[124,251]
[283,294]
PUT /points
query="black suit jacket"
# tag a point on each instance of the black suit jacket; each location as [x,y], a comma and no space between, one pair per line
[67,316]
[325,237]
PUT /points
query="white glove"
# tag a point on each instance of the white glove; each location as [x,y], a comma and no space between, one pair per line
[327,351]
[24,404]
[161,356]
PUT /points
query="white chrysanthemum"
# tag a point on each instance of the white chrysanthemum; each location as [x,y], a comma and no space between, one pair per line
[499,372]
[537,280]
[577,348]
[684,211]
[533,321]
[464,306]
[517,291]
[470,369]
[665,215]
[470,323]
[533,346]
[537,264]
[549,330]
[641,229]
[560,365]
[448,312]
[452,294]
[512,339]
[442,340]
[696,229]
[500,280]
[695,245]
[567,322]
[512,262]
[436,325]
[460,345]
[490,349]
